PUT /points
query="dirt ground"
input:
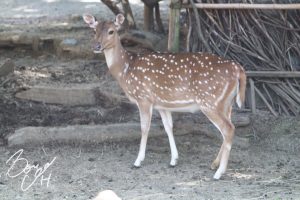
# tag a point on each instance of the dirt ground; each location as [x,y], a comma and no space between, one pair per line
[268,168]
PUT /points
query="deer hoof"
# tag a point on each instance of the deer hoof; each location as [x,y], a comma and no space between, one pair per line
[214,165]
[173,163]
[135,167]
[218,174]
[137,164]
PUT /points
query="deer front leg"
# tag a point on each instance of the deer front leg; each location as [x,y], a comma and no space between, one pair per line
[168,124]
[145,110]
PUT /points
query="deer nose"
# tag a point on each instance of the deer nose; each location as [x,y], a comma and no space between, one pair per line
[97,46]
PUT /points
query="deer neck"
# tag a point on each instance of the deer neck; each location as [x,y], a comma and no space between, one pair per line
[116,59]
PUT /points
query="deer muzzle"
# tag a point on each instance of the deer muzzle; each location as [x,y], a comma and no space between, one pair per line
[97,48]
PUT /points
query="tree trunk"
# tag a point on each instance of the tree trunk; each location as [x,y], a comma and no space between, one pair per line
[129,20]
[148,18]
[149,7]
[112,6]
[160,26]
[128,14]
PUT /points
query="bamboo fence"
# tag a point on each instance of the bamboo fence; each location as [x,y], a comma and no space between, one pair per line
[264,38]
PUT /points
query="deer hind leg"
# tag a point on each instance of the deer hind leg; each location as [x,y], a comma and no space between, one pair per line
[168,124]
[223,123]
[145,115]
[215,164]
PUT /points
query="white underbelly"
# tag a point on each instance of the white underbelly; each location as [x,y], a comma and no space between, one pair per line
[185,108]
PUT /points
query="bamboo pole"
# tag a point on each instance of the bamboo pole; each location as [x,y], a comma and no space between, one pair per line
[252,92]
[174,25]
[292,6]
[274,74]
[265,101]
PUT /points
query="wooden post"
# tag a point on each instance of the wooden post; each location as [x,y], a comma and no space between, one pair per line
[174,25]
[252,93]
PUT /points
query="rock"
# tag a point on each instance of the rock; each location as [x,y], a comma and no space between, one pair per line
[145,40]
[81,134]
[68,43]
[72,95]
[70,47]
[87,134]
[107,195]
[7,67]
[240,120]
[19,39]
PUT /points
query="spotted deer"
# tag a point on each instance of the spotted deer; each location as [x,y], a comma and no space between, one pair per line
[173,82]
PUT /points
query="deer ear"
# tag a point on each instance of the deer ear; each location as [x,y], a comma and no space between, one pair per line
[119,21]
[90,20]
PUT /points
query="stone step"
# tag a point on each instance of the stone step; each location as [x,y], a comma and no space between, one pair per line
[6,67]
[72,95]
[87,134]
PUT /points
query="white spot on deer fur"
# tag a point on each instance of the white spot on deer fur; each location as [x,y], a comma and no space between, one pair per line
[125,67]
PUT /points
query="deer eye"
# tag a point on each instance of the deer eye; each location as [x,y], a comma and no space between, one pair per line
[110,32]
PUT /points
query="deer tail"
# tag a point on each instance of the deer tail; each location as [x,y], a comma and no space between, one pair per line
[240,97]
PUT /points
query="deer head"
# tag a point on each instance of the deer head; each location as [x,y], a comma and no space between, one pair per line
[105,32]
